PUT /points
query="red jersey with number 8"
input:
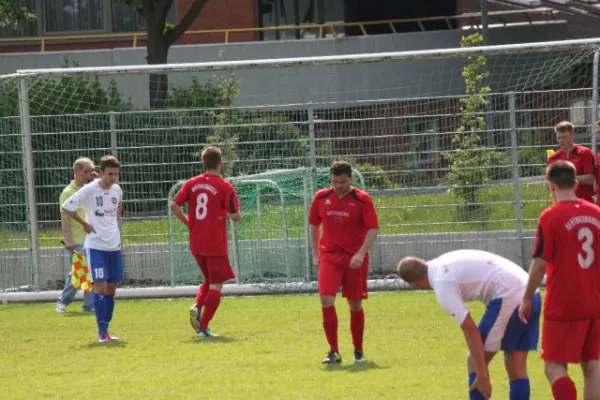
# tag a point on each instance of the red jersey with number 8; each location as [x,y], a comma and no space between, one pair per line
[568,239]
[210,198]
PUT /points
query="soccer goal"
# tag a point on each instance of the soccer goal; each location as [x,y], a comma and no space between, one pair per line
[450,143]
[270,245]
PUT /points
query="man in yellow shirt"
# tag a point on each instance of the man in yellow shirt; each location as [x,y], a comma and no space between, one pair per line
[73,232]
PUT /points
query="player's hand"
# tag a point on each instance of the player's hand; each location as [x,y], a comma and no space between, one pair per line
[524,310]
[357,260]
[315,261]
[69,245]
[483,384]
[88,228]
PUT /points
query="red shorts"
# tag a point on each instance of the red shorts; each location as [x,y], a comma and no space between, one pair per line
[216,269]
[571,342]
[335,271]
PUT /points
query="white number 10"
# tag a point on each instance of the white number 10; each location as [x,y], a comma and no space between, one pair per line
[586,237]
[201,206]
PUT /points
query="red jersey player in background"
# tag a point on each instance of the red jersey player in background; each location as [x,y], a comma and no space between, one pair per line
[210,198]
[349,229]
[567,249]
[581,157]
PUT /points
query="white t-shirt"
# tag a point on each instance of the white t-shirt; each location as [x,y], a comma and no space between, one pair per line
[467,275]
[101,212]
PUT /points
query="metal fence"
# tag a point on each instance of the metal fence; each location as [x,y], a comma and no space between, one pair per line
[401,146]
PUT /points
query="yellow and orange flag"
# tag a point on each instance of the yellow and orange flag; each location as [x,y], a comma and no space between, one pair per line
[81,277]
[548,155]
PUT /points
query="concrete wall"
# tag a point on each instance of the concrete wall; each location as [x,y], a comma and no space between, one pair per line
[348,82]
[152,262]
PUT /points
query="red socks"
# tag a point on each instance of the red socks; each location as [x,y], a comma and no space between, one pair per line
[201,296]
[564,389]
[330,325]
[211,303]
[357,327]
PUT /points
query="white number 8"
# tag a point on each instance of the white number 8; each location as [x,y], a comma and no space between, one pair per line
[586,237]
[201,206]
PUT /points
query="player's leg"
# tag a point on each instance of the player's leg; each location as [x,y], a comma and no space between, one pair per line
[354,288]
[518,340]
[330,280]
[114,260]
[219,271]
[195,311]
[99,270]
[562,343]
[488,357]
[591,362]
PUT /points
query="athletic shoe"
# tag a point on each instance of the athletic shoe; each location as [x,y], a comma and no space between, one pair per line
[195,314]
[359,356]
[333,357]
[112,337]
[103,337]
[60,308]
[206,333]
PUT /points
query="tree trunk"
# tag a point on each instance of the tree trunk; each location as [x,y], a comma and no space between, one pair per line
[158,51]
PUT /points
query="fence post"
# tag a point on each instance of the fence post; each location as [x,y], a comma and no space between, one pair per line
[311,136]
[515,174]
[30,181]
[594,99]
[113,132]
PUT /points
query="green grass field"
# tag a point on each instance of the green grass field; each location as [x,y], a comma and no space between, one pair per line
[426,213]
[270,348]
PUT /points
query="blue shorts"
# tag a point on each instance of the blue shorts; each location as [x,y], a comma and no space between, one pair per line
[105,266]
[501,328]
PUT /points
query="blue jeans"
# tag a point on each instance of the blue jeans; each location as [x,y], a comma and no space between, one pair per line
[68,293]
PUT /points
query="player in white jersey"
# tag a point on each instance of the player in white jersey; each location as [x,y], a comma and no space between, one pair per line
[102,200]
[469,275]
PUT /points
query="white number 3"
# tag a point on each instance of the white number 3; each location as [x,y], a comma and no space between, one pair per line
[586,237]
[201,206]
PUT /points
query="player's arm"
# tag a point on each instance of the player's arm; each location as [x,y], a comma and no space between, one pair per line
[537,270]
[178,211]
[234,207]
[372,224]
[74,202]
[314,231]
[475,345]
[66,228]
[588,175]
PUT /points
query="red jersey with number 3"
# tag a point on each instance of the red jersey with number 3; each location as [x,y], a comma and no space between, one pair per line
[210,198]
[568,239]
[345,221]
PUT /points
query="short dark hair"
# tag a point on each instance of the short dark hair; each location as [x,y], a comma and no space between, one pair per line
[341,168]
[109,162]
[211,157]
[562,174]
[564,127]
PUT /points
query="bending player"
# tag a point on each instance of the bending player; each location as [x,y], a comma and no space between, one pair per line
[349,229]
[568,251]
[468,275]
[211,198]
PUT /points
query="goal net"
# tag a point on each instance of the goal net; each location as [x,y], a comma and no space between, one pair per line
[451,145]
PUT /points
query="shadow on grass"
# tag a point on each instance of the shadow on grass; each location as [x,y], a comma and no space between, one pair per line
[354,367]
[218,339]
[79,314]
[112,343]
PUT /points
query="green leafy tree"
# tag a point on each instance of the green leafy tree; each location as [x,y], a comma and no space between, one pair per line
[12,12]
[472,164]
[161,36]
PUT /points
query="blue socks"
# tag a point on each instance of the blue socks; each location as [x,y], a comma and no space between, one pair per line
[100,309]
[110,307]
[519,389]
[475,394]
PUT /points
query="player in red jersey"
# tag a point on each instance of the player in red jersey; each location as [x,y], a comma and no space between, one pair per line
[580,156]
[350,227]
[567,249]
[210,198]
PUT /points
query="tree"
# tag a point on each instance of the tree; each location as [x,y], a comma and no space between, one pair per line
[472,163]
[12,12]
[161,37]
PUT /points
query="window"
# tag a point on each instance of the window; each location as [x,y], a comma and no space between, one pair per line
[423,144]
[125,19]
[274,13]
[74,15]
